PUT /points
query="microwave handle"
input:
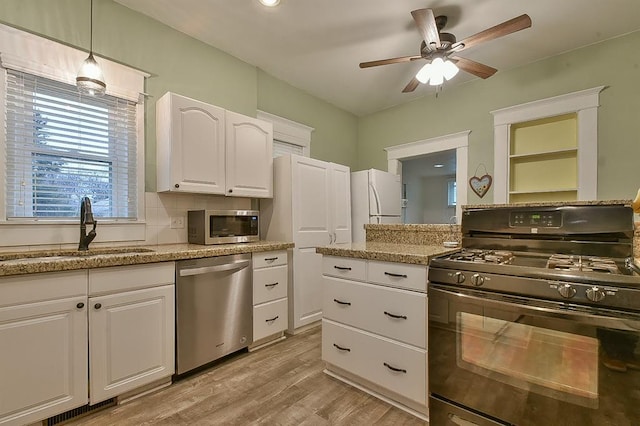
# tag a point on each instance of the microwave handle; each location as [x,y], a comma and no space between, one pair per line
[218,268]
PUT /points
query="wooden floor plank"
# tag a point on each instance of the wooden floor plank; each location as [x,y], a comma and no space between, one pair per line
[281,384]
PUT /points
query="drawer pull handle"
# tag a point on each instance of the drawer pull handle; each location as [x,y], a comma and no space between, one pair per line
[395,316]
[272,319]
[271,285]
[395,275]
[342,268]
[270,259]
[340,302]
[398,370]
[340,348]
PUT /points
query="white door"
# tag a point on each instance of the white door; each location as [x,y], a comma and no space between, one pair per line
[131,340]
[311,203]
[341,203]
[385,193]
[197,146]
[43,359]
[249,163]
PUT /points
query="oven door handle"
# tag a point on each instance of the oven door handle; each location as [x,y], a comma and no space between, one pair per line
[595,316]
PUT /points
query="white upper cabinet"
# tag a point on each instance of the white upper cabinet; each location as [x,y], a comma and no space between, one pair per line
[202,148]
[249,156]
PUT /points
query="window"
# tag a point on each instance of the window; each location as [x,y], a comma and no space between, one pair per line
[61,146]
[56,146]
[289,137]
[451,193]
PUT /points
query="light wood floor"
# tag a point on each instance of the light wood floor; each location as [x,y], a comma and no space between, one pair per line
[279,385]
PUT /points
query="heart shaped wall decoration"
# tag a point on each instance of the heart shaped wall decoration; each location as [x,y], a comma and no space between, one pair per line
[480,185]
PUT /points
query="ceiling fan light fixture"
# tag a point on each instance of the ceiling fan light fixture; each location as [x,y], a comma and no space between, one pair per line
[436,80]
[425,73]
[270,3]
[449,69]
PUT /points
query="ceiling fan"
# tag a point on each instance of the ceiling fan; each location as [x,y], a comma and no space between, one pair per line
[441,49]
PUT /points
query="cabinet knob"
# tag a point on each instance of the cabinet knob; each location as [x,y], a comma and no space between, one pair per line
[80,305]
[230,191]
[98,305]
[177,185]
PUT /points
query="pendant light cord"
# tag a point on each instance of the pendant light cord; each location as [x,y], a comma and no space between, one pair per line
[91,29]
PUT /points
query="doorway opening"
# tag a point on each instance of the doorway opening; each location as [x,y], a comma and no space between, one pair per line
[455,148]
[429,188]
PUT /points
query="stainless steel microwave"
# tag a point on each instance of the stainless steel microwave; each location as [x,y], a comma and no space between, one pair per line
[223,226]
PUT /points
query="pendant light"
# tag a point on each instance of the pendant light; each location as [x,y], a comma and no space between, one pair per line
[90,80]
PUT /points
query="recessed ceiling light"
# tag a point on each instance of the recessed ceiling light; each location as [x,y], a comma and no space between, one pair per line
[437,166]
[270,3]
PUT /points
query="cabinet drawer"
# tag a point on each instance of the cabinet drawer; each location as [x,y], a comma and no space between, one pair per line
[391,312]
[402,275]
[269,284]
[269,318]
[394,366]
[125,278]
[269,258]
[344,267]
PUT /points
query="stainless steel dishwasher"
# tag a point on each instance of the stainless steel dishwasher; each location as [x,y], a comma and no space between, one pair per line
[214,312]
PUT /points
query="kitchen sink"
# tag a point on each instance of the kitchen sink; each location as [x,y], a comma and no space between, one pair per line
[45,255]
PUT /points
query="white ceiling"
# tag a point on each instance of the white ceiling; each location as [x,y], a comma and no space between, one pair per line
[316,45]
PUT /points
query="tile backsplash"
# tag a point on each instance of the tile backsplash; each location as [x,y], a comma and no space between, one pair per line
[160,208]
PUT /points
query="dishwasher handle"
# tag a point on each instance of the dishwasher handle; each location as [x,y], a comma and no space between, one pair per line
[236,266]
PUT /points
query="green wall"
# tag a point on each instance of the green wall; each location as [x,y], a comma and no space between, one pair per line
[468,106]
[181,64]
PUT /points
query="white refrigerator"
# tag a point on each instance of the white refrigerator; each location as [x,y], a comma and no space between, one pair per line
[375,198]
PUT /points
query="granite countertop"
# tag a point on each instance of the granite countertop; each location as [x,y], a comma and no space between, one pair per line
[30,262]
[550,204]
[387,252]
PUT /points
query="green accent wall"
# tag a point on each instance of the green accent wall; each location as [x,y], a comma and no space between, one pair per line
[184,65]
[468,106]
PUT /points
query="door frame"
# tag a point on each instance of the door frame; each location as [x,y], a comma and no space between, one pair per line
[458,141]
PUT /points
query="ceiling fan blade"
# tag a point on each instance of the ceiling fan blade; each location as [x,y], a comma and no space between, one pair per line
[411,86]
[389,61]
[500,30]
[473,67]
[426,22]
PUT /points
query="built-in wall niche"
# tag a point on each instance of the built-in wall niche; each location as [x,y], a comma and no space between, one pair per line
[547,150]
[543,160]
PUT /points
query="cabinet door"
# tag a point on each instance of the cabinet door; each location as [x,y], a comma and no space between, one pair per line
[249,166]
[307,287]
[311,202]
[191,146]
[131,340]
[43,359]
[341,203]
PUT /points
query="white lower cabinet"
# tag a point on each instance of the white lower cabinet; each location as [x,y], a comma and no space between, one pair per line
[374,328]
[46,362]
[43,345]
[270,301]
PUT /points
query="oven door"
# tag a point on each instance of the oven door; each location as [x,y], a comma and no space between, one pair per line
[530,362]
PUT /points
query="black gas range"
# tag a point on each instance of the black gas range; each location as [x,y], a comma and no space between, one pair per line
[536,320]
[579,254]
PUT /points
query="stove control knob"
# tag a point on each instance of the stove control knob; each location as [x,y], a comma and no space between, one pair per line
[566,290]
[595,294]
[460,277]
[477,280]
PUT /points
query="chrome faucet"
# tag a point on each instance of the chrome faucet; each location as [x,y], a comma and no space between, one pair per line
[86,218]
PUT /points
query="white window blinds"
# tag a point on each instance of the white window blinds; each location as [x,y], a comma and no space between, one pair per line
[282,148]
[61,146]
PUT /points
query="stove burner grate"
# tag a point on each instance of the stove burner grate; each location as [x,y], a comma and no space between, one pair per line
[497,257]
[563,262]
